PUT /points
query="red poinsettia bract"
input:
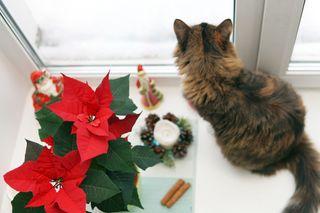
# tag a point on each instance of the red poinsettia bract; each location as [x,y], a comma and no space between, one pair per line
[54,182]
[94,122]
[49,140]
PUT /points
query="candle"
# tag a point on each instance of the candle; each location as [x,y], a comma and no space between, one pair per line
[166,133]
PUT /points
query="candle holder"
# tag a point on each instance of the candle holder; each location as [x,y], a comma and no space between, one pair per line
[168,137]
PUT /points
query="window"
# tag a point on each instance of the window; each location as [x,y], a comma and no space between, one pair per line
[307,47]
[83,37]
[305,58]
[114,32]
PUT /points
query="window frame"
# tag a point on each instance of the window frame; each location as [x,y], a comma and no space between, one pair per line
[259,47]
[16,40]
[279,29]
[247,27]
[13,49]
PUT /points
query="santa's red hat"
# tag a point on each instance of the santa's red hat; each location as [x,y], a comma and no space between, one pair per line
[35,75]
[140,68]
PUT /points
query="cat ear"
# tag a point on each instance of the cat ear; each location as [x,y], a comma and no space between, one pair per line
[225,29]
[181,30]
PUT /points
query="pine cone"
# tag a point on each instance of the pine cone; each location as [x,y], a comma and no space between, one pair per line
[147,137]
[159,150]
[185,137]
[179,150]
[151,121]
[171,117]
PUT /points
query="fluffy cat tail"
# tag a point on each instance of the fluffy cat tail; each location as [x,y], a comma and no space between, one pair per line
[305,166]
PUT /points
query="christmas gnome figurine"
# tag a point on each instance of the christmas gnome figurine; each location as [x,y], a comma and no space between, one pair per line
[151,97]
[47,88]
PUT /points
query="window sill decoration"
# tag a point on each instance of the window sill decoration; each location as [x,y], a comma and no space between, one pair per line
[151,97]
[85,160]
[169,137]
[48,89]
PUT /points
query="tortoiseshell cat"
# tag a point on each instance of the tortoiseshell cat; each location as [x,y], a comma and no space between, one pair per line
[258,119]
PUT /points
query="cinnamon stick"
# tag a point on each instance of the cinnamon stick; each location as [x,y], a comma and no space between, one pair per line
[172,191]
[178,194]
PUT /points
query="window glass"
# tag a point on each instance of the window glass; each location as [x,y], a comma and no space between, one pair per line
[116,32]
[307,47]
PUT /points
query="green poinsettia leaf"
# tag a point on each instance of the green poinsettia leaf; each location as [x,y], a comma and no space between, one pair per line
[42,134]
[125,182]
[20,201]
[144,157]
[33,151]
[123,106]
[118,158]
[98,186]
[95,165]
[121,103]
[64,142]
[120,87]
[135,200]
[49,122]
[114,204]
[53,100]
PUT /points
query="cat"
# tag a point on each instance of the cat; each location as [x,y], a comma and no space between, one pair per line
[258,118]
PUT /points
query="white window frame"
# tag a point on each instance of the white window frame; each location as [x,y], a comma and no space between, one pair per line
[265,34]
[14,42]
[281,20]
[275,23]
[22,15]
[11,46]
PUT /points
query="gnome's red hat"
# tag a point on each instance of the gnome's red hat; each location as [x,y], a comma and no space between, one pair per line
[140,68]
[35,75]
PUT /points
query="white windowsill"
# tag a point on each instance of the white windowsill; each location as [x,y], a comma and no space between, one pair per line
[217,183]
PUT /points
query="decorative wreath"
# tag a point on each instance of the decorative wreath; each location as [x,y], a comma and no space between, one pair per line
[168,137]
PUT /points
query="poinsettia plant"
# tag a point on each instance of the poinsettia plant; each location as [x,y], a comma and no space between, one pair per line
[87,159]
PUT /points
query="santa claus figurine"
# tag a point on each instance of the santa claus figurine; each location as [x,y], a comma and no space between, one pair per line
[151,97]
[47,88]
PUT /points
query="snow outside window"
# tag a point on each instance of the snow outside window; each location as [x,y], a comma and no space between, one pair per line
[116,32]
[307,47]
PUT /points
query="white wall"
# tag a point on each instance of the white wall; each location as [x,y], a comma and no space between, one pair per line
[13,90]
[15,67]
